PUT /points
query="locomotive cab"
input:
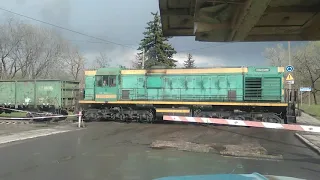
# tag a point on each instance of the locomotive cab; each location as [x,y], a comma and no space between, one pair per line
[106,84]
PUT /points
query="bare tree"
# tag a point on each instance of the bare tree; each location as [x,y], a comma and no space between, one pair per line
[10,39]
[307,62]
[29,52]
[101,61]
[49,51]
[276,56]
[305,58]
[37,51]
[75,63]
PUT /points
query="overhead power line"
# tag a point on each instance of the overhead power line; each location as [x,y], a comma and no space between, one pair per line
[97,38]
[66,29]
[183,51]
[98,42]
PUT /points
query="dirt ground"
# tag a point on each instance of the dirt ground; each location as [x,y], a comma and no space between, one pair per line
[223,140]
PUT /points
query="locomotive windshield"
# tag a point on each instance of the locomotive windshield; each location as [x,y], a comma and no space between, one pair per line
[106,80]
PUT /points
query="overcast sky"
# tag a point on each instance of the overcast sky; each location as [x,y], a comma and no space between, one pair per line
[123,22]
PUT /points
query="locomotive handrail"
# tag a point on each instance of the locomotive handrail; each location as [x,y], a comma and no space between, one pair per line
[135,94]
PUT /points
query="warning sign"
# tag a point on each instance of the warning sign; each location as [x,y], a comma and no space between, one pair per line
[289,78]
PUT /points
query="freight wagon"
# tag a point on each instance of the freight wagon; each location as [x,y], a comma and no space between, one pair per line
[242,93]
[39,95]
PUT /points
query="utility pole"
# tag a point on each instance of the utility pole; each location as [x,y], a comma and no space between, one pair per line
[142,59]
[289,54]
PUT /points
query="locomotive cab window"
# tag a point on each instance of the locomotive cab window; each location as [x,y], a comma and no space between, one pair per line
[103,81]
[112,81]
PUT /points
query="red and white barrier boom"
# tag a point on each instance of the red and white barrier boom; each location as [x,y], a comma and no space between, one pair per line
[293,127]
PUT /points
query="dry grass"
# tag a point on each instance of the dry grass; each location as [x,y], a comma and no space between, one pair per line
[13,114]
[313,110]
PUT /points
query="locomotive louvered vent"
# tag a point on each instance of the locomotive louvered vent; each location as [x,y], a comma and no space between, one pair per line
[253,88]
[125,94]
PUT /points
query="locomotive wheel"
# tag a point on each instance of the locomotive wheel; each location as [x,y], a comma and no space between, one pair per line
[139,118]
[122,117]
[113,117]
[272,119]
[146,117]
[149,117]
[143,118]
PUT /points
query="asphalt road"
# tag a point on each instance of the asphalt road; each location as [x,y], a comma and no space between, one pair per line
[122,151]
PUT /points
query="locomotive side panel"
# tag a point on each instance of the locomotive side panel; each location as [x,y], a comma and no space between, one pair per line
[132,87]
[204,87]
[264,84]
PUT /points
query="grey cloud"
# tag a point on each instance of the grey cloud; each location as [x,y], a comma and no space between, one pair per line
[124,22]
[57,12]
[21,2]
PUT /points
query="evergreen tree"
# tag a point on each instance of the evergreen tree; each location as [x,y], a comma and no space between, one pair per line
[189,63]
[157,50]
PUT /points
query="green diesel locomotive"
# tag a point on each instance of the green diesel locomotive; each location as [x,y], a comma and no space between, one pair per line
[241,93]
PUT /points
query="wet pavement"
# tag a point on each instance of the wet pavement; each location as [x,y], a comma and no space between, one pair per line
[306,119]
[109,150]
[13,127]
[309,138]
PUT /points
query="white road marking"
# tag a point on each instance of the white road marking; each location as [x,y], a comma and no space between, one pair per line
[31,134]
[272,125]
[236,122]
[176,118]
[190,119]
[206,120]
[311,128]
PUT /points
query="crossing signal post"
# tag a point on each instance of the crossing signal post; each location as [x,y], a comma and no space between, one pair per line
[290,79]
[292,94]
[289,69]
[289,56]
